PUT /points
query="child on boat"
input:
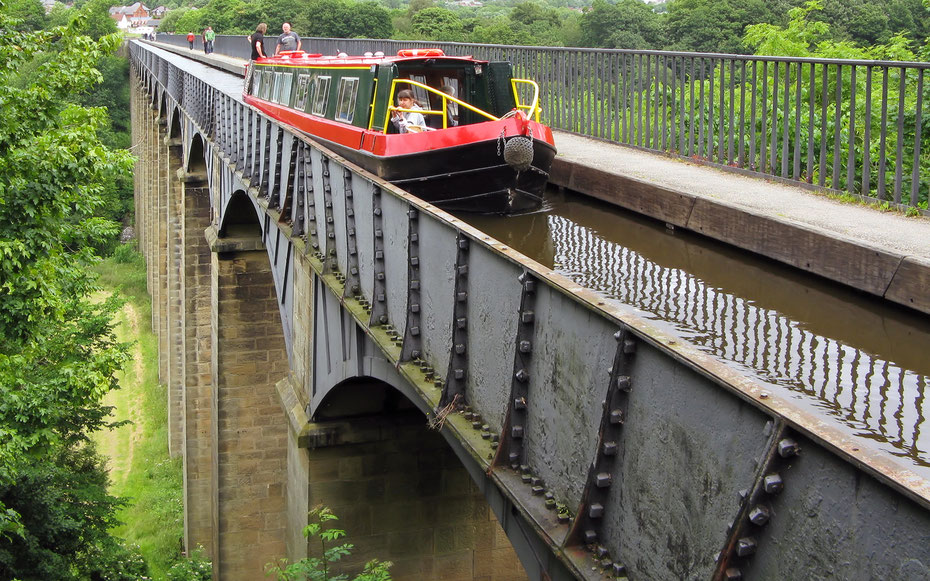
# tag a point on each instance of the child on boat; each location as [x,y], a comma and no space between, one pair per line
[409,121]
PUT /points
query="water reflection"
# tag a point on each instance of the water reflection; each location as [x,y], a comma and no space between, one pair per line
[864,363]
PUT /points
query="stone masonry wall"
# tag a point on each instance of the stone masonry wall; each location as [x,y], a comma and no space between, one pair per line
[248,359]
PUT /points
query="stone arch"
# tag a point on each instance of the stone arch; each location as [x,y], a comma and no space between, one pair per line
[196,162]
[401,489]
[240,217]
[163,108]
[174,123]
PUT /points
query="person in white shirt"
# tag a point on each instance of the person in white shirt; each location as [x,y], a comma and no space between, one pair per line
[410,121]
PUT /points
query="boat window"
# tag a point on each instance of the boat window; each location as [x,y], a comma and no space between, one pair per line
[303,90]
[278,87]
[267,84]
[256,83]
[320,95]
[284,88]
[457,88]
[345,103]
[419,92]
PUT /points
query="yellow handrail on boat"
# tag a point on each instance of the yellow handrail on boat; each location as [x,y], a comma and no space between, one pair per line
[532,109]
[445,103]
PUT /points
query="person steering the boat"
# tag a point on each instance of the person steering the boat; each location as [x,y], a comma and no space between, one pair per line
[409,121]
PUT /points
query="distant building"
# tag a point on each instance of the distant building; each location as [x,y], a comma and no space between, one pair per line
[132,17]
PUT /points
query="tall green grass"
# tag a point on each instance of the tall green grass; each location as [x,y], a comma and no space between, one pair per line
[151,480]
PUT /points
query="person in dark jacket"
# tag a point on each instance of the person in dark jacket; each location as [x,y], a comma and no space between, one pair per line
[257,40]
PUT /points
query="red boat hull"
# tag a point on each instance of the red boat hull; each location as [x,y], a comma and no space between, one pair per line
[458,168]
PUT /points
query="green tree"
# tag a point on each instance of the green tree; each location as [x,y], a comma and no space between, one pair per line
[96,21]
[345,19]
[438,24]
[626,24]
[718,25]
[58,353]
[323,539]
[30,14]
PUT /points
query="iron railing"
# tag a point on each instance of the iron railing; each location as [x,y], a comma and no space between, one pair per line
[853,126]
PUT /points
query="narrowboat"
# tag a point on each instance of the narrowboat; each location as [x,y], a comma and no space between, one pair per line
[480,146]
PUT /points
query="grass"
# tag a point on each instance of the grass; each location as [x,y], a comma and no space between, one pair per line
[140,467]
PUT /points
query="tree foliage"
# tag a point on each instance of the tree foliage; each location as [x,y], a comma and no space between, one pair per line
[626,24]
[324,540]
[58,353]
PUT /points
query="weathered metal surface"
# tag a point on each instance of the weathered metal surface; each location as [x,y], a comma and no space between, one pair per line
[687,489]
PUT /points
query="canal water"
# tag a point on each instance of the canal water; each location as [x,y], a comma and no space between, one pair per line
[859,360]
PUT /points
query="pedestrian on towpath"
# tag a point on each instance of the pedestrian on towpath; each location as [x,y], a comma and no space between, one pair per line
[288,40]
[208,37]
[190,39]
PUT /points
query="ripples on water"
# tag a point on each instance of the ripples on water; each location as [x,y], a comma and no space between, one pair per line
[862,362]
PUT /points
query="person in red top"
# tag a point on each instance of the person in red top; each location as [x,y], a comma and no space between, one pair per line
[190,39]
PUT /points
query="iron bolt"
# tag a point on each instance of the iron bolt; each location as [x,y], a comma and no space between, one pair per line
[524,468]
[525,347]
[460,323]
[629,346]
[601,551]
[415,308]
[564,517]
[590,536]
[759,515]
[414,261]
[519,403]
[610,449]
[603,480]
[733,574]
[529,286]
[788,447]
[596,510]
[414,237]
[414,331]
[463,243]
[745,546]
[606,563]
[517,432]
[414,284]
[537,490]
[550,503]
[376,211]
[461,297]
[458,373]
[378,233]
[527,317]
[619,570]
[383,319]
[522,375]
[476,425]
[623,382]
[616,416]
[463,270]
[460,348]
[773,484]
